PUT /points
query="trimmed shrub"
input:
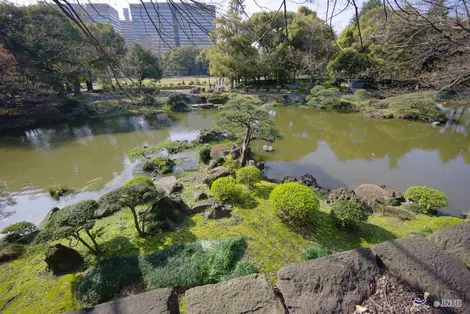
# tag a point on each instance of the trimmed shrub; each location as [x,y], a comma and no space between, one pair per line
[322,98]
[248,175]
[19,230]
[205,155]
[218,99]
[362,94]
[348,214]
[293,201]
[315,251]
[140,179]
[415,208]
[432,199]
[181,265]
[414,106]
[226,190]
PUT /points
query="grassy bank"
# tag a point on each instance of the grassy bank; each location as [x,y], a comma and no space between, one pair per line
[27,287]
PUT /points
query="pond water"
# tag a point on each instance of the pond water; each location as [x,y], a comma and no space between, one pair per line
[338,149]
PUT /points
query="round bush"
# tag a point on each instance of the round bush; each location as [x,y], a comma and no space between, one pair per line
[293,201]
[430,198]
[141,179]
[362,94]
[347,213]
[248,175]
[205,155]
[225,189]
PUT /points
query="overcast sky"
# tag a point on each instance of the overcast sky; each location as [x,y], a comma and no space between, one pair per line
[251,6]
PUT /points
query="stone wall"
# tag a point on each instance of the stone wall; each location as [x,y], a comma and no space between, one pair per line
[338,283]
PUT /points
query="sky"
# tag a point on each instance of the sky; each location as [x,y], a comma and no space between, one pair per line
[251,6]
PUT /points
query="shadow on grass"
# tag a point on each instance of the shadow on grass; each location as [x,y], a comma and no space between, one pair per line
[180,234]
[119,246]
[262,191]
[323,230]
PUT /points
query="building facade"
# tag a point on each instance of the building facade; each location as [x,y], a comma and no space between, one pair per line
[91,12]
[162,25]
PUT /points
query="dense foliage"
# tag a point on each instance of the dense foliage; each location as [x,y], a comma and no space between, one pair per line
[349,213]
[75,221]
[323,98]
[138,191]
[315,251]
[205,154]
[257,123]
[226,189]
[181,265]
[248,175]
[294,201]
[18,230]
[431,199]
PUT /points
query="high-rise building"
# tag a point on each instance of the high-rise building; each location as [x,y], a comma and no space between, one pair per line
[162,25]
[98,13]
[127,29]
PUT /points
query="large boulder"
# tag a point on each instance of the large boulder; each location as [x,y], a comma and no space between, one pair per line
[370,194]
[342,194]
[248,294]
[160,301]
[332,284]
[61,259]
[423,266]
[392,193]
[206,136]
[169,184]
[218,211]
[219,150]
[202,207]
[200,195]
[309,180]
[454,240]
[170,207]
[214,174]
[217,162]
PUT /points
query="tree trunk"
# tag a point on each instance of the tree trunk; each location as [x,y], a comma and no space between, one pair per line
[97,248]
[76,87]
[85,244]
[89,82]
[136,222]
[245,148]
[309,87]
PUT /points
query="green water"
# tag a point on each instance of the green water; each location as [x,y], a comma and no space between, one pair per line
[338,149]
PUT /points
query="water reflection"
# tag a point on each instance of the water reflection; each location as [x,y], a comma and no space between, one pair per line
[339,149]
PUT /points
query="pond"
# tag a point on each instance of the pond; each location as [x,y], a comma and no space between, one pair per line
[338,149]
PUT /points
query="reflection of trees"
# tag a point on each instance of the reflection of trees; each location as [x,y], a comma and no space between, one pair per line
[352,136]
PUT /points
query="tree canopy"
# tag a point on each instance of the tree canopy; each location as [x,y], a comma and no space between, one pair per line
[257,124]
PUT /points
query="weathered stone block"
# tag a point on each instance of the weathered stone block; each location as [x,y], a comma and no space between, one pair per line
[160,301]
[423,266]
[248,294]
[454,240]
[332,284]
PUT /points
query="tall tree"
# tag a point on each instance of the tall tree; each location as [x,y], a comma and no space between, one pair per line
[141,63]
[257,124]
[184,61]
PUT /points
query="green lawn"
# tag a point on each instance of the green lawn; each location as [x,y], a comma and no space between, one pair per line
[27,287]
